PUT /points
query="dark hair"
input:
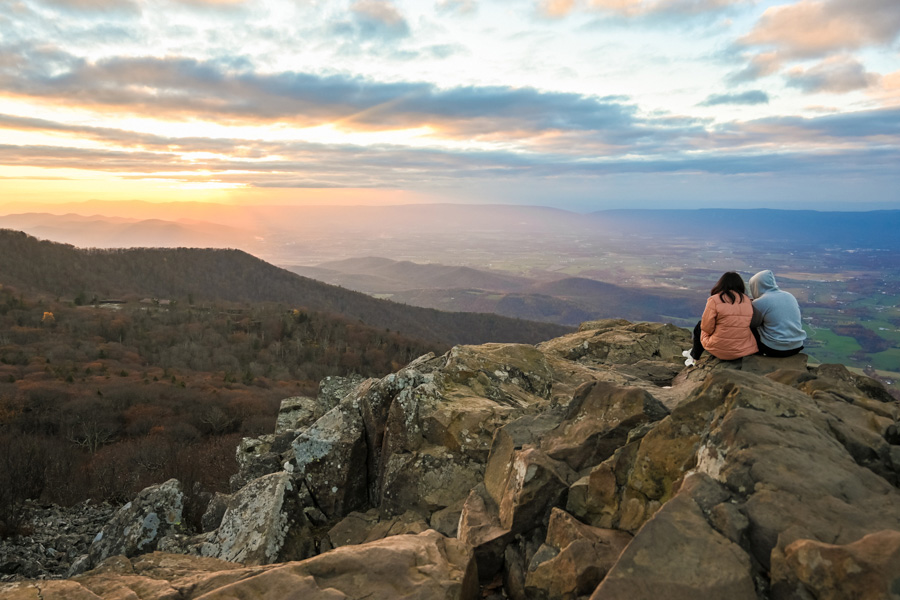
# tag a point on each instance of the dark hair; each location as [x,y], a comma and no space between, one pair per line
[728,284]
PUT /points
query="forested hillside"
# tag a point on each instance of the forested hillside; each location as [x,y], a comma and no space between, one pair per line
[191,275]
[99,401]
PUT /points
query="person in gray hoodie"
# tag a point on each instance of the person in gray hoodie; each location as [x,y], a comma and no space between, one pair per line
[776,317]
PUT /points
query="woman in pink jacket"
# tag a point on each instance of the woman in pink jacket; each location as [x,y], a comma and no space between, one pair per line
[724,331]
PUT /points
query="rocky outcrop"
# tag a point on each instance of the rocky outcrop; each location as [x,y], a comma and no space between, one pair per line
[594,465]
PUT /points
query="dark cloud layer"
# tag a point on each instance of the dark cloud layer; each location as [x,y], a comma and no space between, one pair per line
[187,88]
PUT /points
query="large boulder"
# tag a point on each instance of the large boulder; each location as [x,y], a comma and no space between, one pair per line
[598,422]
[154,576]
[361,528]
[427,566]
[678,555]
[137,527]
[268,520]
[298,412]
[640,477]
[535,485]
[427,480]
[333,389]
[868,569]
[573,560]
[481,531]
[260,456]
[327,460]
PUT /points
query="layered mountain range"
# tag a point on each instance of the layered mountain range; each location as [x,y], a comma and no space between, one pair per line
[840,265]
[334,232]
[185,274]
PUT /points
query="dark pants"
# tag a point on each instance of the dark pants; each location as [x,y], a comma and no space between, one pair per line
[696,347]
[766,351]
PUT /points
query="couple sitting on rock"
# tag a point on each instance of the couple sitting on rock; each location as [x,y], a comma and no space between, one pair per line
[734,326]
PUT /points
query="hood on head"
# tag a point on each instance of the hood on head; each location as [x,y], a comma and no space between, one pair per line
[762,282]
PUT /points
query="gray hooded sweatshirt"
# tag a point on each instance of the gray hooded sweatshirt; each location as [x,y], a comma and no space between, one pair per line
[781,327]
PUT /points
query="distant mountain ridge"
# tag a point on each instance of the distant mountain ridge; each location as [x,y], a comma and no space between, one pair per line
[234,275]
[97,231]
[566,300]
[403,219]
[381,275]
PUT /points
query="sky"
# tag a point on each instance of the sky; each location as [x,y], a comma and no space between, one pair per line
[576,104]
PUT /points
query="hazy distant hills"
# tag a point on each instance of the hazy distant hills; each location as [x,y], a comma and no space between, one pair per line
[568,301]
[872,229]
[428,232]
[232,275]
[526,262]
[116,232]
[392,220]
[415,219]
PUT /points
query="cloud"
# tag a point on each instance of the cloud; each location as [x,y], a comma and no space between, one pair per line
[95,6]
[646,8]
[888,92]
[759,66]
[881,123]
[835,75]
[378,19]
[183,88]
[464,7]
[444,50]
[556,8]
[749,97]
[817,28]
[826,145]
[824,30]
[212,4]
[824,135]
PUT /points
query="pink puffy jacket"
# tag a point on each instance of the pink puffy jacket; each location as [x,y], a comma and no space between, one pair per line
[725,328]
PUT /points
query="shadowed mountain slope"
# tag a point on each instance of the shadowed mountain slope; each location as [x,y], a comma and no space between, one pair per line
[383,275]
[233,275]
[605,300]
